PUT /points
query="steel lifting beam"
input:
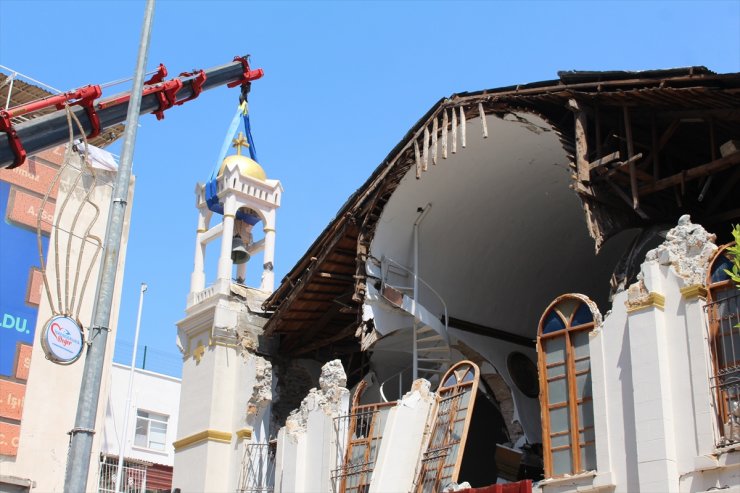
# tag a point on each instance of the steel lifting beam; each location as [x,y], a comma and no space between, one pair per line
[44,132]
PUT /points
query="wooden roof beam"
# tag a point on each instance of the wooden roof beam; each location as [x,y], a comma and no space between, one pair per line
[732,114]
[347,331]
[316,327]
[630,160]
[316,312]
[627,199]
[581,129]
[706,169]
[345,252]
[603,161]
[335,277]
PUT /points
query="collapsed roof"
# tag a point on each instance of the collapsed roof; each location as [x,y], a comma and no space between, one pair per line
[641,149]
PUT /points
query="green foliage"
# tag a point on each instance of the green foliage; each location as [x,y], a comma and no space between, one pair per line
[734,254]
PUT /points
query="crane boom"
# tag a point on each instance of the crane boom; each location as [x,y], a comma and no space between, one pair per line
[43,132]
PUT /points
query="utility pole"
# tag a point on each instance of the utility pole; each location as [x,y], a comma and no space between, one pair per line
[127,409]
[80,447]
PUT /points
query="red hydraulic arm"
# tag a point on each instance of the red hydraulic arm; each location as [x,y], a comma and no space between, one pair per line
[158,95]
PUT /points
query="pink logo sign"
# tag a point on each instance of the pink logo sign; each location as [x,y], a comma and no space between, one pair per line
[61,334]
[62,340]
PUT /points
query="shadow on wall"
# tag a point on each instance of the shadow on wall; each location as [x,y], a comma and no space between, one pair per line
[628,404]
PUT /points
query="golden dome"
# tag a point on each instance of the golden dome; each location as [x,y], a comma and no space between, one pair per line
[247,166]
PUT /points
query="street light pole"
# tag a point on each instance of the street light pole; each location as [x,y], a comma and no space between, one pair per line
[127,410]
[81,441]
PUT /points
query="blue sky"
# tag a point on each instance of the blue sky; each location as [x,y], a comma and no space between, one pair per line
[343,82]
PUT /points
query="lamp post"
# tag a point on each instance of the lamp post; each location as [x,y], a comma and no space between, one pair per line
[127,409]
[80,444]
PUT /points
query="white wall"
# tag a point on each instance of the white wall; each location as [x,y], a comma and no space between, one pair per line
[505,234]
[152,392]
[403,438]
[210,399]
[651,367]
[52,390]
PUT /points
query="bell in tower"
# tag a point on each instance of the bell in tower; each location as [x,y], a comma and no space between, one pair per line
[242,195]
[239,253]
[223,321]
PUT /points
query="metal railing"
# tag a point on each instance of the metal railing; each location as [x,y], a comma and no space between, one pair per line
[396,376]
[358,450]
[258,468]
[388,263]
[133,477]
[724,331]
[427,352]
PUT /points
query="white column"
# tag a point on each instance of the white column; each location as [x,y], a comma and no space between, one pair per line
[268,274]
[198,277]
[403,438]
[227,236]
[699,362]
[653,400]
[601,395]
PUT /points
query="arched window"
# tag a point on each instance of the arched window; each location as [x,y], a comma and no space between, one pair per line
[440,463]
[565,385]
[723,311]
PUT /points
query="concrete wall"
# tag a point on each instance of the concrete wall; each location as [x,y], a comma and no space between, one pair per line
[653,412]
[310,445]
[225,395]
[495,207]
[152,392]
[52,390]
[495,352]
[214,399]
[651,368]
[403,439]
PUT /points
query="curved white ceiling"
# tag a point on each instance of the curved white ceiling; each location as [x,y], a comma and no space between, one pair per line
[505,234]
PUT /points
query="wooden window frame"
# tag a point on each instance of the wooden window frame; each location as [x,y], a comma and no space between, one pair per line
[713,290]
[570,375]
[439,467]
[365,416]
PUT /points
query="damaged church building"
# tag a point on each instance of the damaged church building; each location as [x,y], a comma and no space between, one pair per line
[530,292]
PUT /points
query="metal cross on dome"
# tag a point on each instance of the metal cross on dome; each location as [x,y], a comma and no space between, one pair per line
[239,142]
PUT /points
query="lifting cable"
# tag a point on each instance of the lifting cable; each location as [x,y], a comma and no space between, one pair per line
[242,115]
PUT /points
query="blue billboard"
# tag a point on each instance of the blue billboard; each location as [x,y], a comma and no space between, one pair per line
[20,203]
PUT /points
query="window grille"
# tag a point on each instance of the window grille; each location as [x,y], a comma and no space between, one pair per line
[440,464]
[364,431]
[723,315]
[133,476]
[258,468]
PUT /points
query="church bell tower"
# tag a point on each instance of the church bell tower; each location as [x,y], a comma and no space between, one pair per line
[223,408]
